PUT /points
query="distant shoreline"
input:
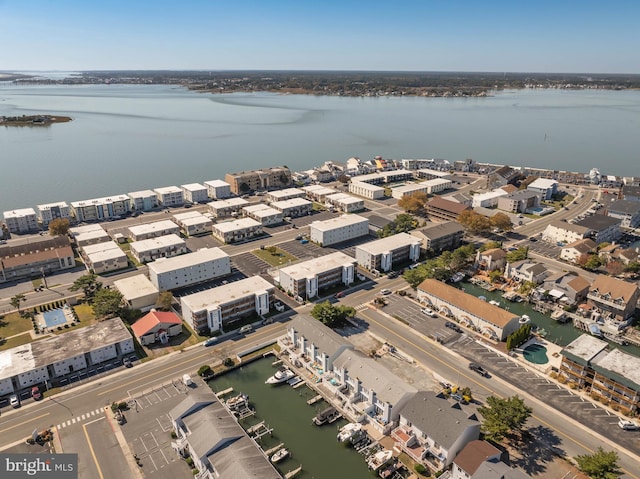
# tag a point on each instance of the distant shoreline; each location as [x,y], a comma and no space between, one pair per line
[33,120]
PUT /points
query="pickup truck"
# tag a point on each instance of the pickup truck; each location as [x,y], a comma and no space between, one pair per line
[479,369]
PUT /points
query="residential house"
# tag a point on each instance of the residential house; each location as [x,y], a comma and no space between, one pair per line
[526,270]
[481,460]
[564,232]
[491,259]
[572,252]
[615,299]
[567,285]
[157,326]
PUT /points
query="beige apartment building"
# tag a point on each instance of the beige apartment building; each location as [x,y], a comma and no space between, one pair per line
[264,179]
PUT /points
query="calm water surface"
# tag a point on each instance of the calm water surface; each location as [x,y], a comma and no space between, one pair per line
[286,410]
[130,137]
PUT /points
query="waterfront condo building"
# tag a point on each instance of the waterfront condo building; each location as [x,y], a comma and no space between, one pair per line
[36,258]
[237,230]
[52,211]
[228,207]
[293,207]
[304,280]
[100,209]
[440,236]
[383,177]
[337,230]
[193,223]
[169,196]
[153,230]
[199,266]
[263,179]
[104,257]
[366,190]
[217,309]
[160,247]
[386,253]
[218,189]
[345,202]
[286,194]
[545,186]
[21,221]
[615,299]
[137,292]
[628,212]
[195,193]
[51,359]
[266,215]
[144,200]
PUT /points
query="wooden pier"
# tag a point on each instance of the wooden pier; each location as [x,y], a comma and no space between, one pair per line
[259,430]
[291,474]
[268,452]
[224,393]
[314,400]
[245,413]
[299,385]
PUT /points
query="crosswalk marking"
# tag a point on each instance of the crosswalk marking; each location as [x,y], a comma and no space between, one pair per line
[87,415]
[362,306]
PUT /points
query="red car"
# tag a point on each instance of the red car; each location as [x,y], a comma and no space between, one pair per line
[35,393]
[339,294]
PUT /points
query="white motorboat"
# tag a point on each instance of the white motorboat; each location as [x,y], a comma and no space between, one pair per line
[379,459]
[280,455]
[524,319]
[348,431]
[282,375]
[456,278]
[238,402]
[494,302]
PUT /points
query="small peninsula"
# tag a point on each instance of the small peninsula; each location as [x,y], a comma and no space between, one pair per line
[32,120]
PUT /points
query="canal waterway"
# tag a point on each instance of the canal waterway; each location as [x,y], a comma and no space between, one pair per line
[558,333]
[286,411]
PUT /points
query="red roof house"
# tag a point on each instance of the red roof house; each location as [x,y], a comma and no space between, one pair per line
[157,326]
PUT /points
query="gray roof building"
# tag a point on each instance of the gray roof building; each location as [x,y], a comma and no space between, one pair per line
[324,338]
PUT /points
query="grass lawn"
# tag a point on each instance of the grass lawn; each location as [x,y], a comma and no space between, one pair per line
[85,314]
[278,258]
[15,341]
[13,323]
[317,207]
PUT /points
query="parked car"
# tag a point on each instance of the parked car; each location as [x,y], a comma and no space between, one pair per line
[339,294]
[385,291]
[279,306]
[392,274]
[126,362]
[210,341]
[479,369]
[453,326]
[14,401]
[628,425]
[428,312]
[35,393]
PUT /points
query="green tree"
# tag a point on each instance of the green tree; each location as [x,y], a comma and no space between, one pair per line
[518,255]
[474,222]
[632,267]
[164,301]
[504,416]
[526,287]
[89,285]
[501,221]
[413,203]
[593,262]
[59,227]
[600,465]
[243,187]
[490,245]
[332,315]
[106,302]
[17,300]
[495,275]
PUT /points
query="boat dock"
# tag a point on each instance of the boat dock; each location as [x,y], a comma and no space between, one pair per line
[259,430]
[245,413]
[291,474]
[314,400]
[224,393]
[299,384]
[268,452]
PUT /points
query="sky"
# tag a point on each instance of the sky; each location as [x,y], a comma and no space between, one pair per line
[423,35]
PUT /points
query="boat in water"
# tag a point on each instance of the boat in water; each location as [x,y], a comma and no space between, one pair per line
[513,296]
[280,455]
[524,319]
[456,278]
[494,302]
[348,431]
[282,375]
[379,459]
[594,329]
[238,402]
[327,416]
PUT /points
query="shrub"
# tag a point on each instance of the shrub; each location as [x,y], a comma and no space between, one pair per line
[420,469]
[228,362]
[573,385]
[562,380]
[553,375]
[204,369]
[174,435]
[189,461]
[195,471]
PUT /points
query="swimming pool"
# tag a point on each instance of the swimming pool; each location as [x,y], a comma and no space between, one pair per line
[54,317]
[536,354]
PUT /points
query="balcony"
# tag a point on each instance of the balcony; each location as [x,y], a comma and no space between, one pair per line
[612,303]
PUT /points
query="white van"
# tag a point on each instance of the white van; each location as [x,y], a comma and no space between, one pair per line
[246,329]
[186,379]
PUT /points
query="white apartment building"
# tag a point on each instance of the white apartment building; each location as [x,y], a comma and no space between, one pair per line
[169,196]
[225,208]
[488,199]
[217,309]
[286,194]
[104,257]
[266,215]
[138,292]
[366,190]
[318,192]
[563,232]
[195,193]
[293,207]
[304,280]
[432,174]
[193,223]
[411,189]
[94,236]
[419,163]
[144,200]
[545,186]
[203,265]
[345,203]
[237,230]
[337,230]
[79,230]
[21,221]
[382,177]
[160,247]
[218,189]
[52,211]
[385,253]
[99,209]
[153,230]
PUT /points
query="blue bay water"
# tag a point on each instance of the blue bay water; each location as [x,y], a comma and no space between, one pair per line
[130,137]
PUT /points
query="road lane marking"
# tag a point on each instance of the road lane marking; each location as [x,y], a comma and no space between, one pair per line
[23,423]
[93,454]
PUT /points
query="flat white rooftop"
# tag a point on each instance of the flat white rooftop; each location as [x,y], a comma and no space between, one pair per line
[586,347]
[382,174]
[152,227]
[543,183]
[235,225]
[164,265]
[78,230]
[156,243]
[192,218]
[21,213]
[286,192]
[165,190]
[228,203]
[290,203]
[93,234]
[390,243]
[436,182]
[216,183]
[99,201]
[194,187]
[227,293]
[48,206]
[98,247]
[313,267]
[622,364]
[344,198]
[366,186]
[490,194]
[106,255]
[439,174]
[339,222]
[142,194]
[135,286]
[261,210]
[410,187]
[318,190]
